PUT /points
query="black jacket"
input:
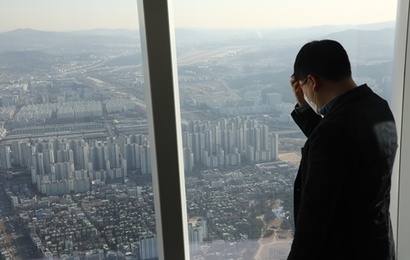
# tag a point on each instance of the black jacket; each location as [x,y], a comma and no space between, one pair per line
[342,189]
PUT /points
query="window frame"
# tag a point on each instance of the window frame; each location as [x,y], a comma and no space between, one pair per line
[400,209]
[158,53]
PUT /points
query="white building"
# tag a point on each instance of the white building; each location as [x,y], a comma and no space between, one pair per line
[5,161]
[148,248]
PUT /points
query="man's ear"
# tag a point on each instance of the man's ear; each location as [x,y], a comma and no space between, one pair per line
[315,81]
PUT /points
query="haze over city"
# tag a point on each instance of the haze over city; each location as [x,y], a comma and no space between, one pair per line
[73,15]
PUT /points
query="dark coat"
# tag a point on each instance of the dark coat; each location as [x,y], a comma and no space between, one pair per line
[342,189]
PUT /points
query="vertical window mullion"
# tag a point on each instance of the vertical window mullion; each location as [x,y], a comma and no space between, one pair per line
[163,113]
[400,209]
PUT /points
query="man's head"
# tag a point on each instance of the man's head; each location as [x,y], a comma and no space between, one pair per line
[326,59]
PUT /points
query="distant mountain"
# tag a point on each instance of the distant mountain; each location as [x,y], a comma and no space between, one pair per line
[22,31]
[370,51]
[133,34]
[376,26]
[276,36]
[368,45]
[21,39]
[359,44]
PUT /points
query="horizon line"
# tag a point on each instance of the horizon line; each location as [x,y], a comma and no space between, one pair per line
[210,28]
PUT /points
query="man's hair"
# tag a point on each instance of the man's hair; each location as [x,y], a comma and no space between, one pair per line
[326,59]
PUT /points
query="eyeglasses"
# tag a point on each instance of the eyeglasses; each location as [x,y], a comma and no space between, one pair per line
[304,82]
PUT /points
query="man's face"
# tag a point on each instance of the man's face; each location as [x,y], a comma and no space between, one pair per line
[307,88]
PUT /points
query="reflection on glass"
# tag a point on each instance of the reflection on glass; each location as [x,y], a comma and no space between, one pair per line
[241,147]
[75,179]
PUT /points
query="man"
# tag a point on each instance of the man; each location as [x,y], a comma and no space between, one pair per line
[342,189]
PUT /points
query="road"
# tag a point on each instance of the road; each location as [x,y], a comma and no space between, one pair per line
[271,247]
[200,56]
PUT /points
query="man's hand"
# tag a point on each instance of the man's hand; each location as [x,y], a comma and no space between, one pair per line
[297,91]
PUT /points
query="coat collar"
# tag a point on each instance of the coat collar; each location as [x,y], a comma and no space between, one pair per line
[344,98]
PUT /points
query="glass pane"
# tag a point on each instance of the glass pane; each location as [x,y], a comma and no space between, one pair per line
[241,147]
[75,161]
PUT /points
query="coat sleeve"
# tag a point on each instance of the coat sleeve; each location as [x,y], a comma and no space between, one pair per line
[326,172]
[306,119]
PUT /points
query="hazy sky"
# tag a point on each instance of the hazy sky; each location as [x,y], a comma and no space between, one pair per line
[69,15]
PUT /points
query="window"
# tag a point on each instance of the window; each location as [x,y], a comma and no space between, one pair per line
[235,142]
[241,148]
[75,155]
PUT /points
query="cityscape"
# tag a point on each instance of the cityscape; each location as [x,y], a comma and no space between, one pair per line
[75,178]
